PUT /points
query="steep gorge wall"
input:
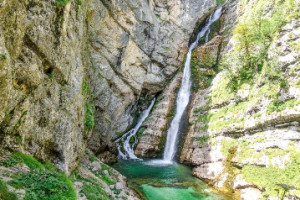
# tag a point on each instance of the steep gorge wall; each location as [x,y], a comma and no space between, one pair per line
[69,66]
[244,119]
[244,133]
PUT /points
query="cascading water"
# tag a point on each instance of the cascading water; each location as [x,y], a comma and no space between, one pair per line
[185,91]
[164,179]
[126,138]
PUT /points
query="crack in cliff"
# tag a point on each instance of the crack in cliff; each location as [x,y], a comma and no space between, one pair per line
[127,31]
[115,71]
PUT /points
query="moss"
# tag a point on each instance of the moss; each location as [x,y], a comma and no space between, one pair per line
[234,117]
[219,2]
[278,106]
[165,48]
[203,139]
[226,145]
[91,156]
[272,177]
[221,94]
[89,121]
[3,57]
[5,194]
[61,3]
[140,132]
[93,191]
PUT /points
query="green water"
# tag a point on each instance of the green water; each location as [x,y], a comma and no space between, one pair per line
[165,182]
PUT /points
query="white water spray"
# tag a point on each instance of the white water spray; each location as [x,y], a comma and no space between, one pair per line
[128,148]
[185,92]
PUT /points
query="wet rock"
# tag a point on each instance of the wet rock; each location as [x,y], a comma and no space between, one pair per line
[150,143]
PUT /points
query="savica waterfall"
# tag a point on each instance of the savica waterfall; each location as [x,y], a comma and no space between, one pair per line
[182,102]
[126,138]
[184,93]
[164,179]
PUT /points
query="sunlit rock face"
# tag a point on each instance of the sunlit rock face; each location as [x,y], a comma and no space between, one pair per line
[242,133]
[58,62]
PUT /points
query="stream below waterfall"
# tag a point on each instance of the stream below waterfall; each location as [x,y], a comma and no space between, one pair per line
[164,179]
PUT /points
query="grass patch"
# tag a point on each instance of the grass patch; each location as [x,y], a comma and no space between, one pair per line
[45,185]
[5,194]
[273,177]
[93,191]
[278,106]
[20,158]
[203,139]
[62,3]
[89,121]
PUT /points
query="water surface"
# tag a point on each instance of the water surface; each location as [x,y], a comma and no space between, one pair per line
[165,182]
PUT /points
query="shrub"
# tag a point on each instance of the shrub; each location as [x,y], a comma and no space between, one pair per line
[61,3]
[18,158]
[5,193]
[45,185]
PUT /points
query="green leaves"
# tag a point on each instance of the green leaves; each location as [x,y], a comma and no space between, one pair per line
[61,3]
[45,185]
[5,193]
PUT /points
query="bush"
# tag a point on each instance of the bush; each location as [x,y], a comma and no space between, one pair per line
[18,158]
[5,193]
[61,3]
[45,185]
[89,122]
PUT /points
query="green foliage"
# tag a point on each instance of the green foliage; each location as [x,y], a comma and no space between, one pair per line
[203,139]
[165,48]
[93,191]
[3,57]
[5,194]
[107,180]
[279,106]
[79,2]
[61,3]
[19,158]
[45,185]
[51,75]
[91,156]
[255,34]
[219,2]
[89,121]
[140,132]
[31,162]
[273,177]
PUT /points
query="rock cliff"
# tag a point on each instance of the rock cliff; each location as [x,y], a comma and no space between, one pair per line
[72,71]
[244,117]
[244,133]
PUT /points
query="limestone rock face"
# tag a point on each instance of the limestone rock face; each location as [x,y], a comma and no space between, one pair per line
[241,132]
[41,73]
[135,46]
[61,65]
[153,137]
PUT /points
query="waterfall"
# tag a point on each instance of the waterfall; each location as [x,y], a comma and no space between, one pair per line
[185,91]
[125,139]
